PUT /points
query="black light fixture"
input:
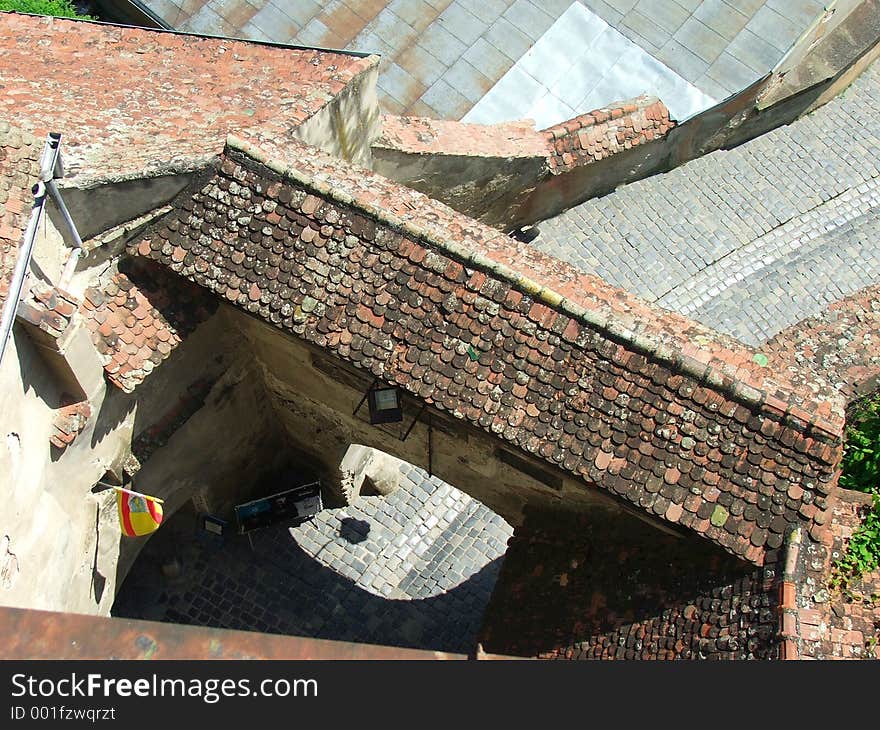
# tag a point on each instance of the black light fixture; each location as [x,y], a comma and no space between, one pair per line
[385,405]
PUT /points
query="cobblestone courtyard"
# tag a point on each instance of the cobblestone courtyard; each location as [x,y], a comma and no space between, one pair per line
[413,569]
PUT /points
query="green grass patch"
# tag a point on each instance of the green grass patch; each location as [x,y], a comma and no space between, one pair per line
[58,8]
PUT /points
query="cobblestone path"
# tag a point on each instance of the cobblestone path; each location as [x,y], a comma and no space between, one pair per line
[413,569]
[750,240]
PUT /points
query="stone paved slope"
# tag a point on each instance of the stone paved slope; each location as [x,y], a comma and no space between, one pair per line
[749,240]
[422,540]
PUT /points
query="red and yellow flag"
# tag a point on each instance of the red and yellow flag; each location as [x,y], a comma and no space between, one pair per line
[139,514]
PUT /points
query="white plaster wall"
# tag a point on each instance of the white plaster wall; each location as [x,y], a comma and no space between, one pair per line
[49,514]
[350,123]
[60,544]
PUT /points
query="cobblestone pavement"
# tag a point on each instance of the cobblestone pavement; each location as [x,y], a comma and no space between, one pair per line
[413,569]
[441,56]
[749,240]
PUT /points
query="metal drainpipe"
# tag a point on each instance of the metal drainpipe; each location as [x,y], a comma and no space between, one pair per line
[21,266]
[50,168]
[78,250]
[47,168]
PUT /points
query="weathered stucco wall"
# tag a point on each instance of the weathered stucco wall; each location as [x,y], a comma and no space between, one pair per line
[101,207]
[825,60]
[510,175]
[556,193]
[833,14]
[199,425]
[50,523]
[490,189]
[348,125]
[57,532]
[830,61]
[480,170]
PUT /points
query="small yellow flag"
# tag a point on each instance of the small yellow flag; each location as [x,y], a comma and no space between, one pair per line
[139,514]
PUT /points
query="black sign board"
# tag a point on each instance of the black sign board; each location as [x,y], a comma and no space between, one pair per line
[212,524]
[296,505]
[384,404]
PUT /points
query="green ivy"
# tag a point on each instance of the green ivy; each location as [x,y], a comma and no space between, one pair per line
[861,457]
[863,551]
[861,472]
[58,8]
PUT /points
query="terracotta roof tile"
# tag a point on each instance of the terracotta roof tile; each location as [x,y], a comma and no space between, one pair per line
[69,420]
[133,101]
[355,264]
[420,135]
[19,169]
[139,317]
[843,343]
[601,133]
[577,587]
[48,311]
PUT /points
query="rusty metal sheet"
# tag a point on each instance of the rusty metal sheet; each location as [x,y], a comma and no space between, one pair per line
[32,634]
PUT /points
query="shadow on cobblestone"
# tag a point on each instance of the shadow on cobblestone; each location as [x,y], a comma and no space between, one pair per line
[278,587]
[353,530]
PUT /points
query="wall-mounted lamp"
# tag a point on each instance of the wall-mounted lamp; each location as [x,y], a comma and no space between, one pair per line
[385,405]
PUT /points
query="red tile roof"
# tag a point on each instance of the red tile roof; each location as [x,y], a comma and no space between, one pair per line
[587,587]
[818,620]
[418,135]
[139,317]
[132,101]
[843,343]
[583,140]
[601,133]
[69,420]
[48,310]
[654,408]
[19,169]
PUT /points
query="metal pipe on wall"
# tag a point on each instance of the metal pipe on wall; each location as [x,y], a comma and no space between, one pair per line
[10,306]
[48,163]
[50,168]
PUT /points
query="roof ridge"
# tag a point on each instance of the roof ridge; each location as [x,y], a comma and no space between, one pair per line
[173,31]
[746,393]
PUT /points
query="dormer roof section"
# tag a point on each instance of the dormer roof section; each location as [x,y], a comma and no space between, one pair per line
[660,411]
